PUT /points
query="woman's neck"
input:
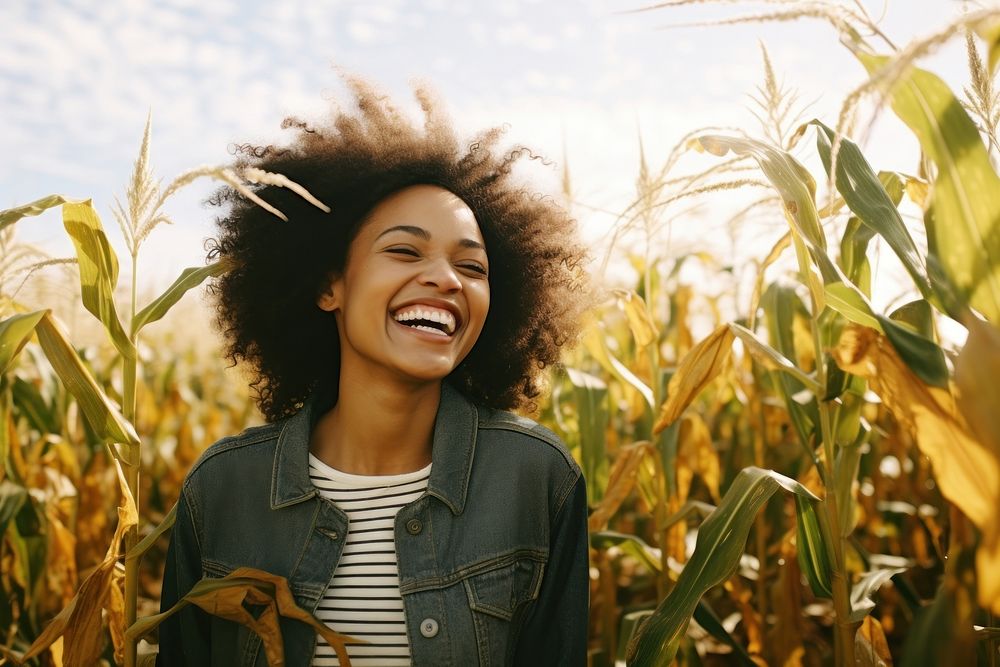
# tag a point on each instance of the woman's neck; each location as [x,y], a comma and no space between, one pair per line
[378,428]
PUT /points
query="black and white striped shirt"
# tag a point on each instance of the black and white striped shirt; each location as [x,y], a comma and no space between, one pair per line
[363,600]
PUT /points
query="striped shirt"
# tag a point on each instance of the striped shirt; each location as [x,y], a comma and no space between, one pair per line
[363,599]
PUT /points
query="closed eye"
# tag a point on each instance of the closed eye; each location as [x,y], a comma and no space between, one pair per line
[475,268]
[403,251]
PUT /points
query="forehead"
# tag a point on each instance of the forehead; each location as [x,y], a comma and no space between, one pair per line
[438,211]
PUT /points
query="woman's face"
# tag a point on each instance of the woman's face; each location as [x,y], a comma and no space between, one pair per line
[414,293]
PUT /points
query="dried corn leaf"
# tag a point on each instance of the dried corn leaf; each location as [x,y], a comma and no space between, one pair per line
[80,622]
[967,471]
[621,481]
[639,320]
[698,367]
[696,456]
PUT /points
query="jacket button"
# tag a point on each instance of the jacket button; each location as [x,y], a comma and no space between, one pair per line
[413,527]
[428,627]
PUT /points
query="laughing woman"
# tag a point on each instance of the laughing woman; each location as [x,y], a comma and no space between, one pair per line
[387,340]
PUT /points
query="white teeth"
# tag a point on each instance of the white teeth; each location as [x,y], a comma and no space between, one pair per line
[430,329]
[431,315]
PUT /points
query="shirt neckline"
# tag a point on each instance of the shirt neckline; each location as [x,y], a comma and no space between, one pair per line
[352,479]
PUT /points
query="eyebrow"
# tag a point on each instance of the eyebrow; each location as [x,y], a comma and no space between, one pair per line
[422,233]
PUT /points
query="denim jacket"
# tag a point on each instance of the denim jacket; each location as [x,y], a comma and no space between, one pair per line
[493,558]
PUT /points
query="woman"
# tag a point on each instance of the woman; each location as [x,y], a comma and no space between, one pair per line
[404,505]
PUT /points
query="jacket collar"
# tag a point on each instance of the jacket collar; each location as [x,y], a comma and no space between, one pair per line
[453,447]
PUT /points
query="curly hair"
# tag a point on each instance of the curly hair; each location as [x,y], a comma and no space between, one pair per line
[266,303]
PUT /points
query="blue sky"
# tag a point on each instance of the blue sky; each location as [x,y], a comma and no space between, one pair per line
[579,78]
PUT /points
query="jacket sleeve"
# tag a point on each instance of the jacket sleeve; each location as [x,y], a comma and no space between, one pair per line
[184,636]
[555,633]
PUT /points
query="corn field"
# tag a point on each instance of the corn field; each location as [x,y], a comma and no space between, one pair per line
[806,481]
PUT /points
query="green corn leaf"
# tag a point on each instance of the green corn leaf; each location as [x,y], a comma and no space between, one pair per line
[708,619]
[772,359]
[98,270]
[851,304]
[923,356]
[142,547]
[867,197]
[100,412]
[591,395]
[37,207]
[189,278]
[781,304]
[917,315]
[792,180]
[630,544]
[30,404]
[798,191]
[721,540]
[15,332]
[853,254]
[811,554]
[963,219]
[12,497]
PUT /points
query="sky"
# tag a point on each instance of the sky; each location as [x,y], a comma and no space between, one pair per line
[578,80]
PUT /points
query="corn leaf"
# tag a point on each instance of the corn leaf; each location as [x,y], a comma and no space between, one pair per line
[918,315]
[811,554]
[593,340]
[780,306]
[720,544]
[15,332]
[792,180]
[143,546]
[966,470]
[98,270]
[868,199]
[189,278]
[639,321]
[12,497]
[37,207]
[699,366]
[976,372]
[621,481]
[80,622]
[963,219]
[227,598]
[771,359]
[862,593]
[591,395]
[709,620]
[101,414]
[923,356]
[629,544]
[991,33]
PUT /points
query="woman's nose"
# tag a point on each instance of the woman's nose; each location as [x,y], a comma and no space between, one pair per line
[441,274]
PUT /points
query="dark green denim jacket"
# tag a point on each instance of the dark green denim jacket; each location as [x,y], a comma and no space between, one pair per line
[492,558]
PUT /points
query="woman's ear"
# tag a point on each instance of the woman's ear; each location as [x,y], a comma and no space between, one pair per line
[329,297]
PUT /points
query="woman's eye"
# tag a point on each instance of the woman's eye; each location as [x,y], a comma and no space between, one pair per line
[403,251]
[475,268]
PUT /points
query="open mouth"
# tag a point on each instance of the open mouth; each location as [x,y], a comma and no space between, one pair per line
[426,318]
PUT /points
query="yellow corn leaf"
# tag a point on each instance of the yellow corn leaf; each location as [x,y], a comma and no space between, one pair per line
[967,471]
[682,305]
[639,321]
[116,615]
[976,370]
[696,456]
[79,623]
[621,481]
[229,603]
[871,649]
[698,367]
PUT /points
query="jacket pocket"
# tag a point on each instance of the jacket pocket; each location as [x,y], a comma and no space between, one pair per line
[501,591]
[229,638]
